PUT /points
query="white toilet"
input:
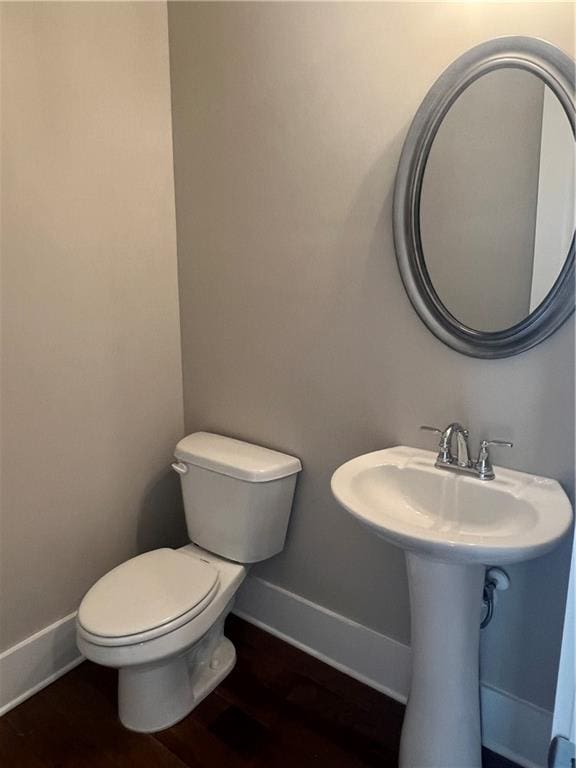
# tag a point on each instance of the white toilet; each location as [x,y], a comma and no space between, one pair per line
[159,617]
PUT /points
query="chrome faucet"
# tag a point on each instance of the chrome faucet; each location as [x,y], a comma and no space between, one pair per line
[481,468]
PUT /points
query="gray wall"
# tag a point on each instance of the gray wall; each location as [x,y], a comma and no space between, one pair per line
[479,198]
[297,333]
[91,388]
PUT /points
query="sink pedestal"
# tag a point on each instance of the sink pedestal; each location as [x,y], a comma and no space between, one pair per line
[442,722]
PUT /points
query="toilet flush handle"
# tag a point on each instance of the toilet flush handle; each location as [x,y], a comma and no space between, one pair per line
[180,467]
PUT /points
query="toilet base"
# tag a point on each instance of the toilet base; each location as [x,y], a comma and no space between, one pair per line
[154,697]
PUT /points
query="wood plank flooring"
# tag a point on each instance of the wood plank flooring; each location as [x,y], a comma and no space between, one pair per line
[279,708]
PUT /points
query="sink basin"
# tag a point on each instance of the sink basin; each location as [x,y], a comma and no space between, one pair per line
[451,527]
[404,498]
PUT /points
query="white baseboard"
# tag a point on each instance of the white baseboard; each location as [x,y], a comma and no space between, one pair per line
[512,727]
[515,728]
[368,656]
[37,661]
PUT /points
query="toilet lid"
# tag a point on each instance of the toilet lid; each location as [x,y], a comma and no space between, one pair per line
[146,592]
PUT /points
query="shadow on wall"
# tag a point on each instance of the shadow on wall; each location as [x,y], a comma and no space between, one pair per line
[161,522]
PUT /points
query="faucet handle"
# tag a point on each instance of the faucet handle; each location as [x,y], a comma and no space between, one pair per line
[484,465]
[486,443]
[444,456]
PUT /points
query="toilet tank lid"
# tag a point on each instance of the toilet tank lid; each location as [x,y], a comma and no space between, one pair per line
[235,458]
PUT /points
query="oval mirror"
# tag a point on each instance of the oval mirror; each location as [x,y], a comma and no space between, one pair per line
[484,199]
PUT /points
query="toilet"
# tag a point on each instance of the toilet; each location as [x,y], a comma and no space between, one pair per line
[159,617]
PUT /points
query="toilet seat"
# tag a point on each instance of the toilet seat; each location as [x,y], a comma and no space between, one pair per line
[146,597]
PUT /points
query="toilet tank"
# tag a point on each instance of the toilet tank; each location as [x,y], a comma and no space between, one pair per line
[237,496]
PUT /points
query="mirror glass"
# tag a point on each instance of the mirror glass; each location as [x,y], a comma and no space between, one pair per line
[497,200]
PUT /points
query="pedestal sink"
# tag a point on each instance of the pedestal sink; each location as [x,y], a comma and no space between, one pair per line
[451,527]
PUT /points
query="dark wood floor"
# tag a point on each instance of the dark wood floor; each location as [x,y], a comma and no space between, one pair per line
[280,708]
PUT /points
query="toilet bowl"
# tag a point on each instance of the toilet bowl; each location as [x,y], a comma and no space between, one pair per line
[159,617]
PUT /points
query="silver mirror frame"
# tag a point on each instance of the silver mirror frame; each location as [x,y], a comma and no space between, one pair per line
[556,69]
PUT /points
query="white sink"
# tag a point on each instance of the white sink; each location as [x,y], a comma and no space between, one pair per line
[403,497]
[451,527]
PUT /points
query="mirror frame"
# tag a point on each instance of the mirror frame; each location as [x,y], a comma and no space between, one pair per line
[556,69]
